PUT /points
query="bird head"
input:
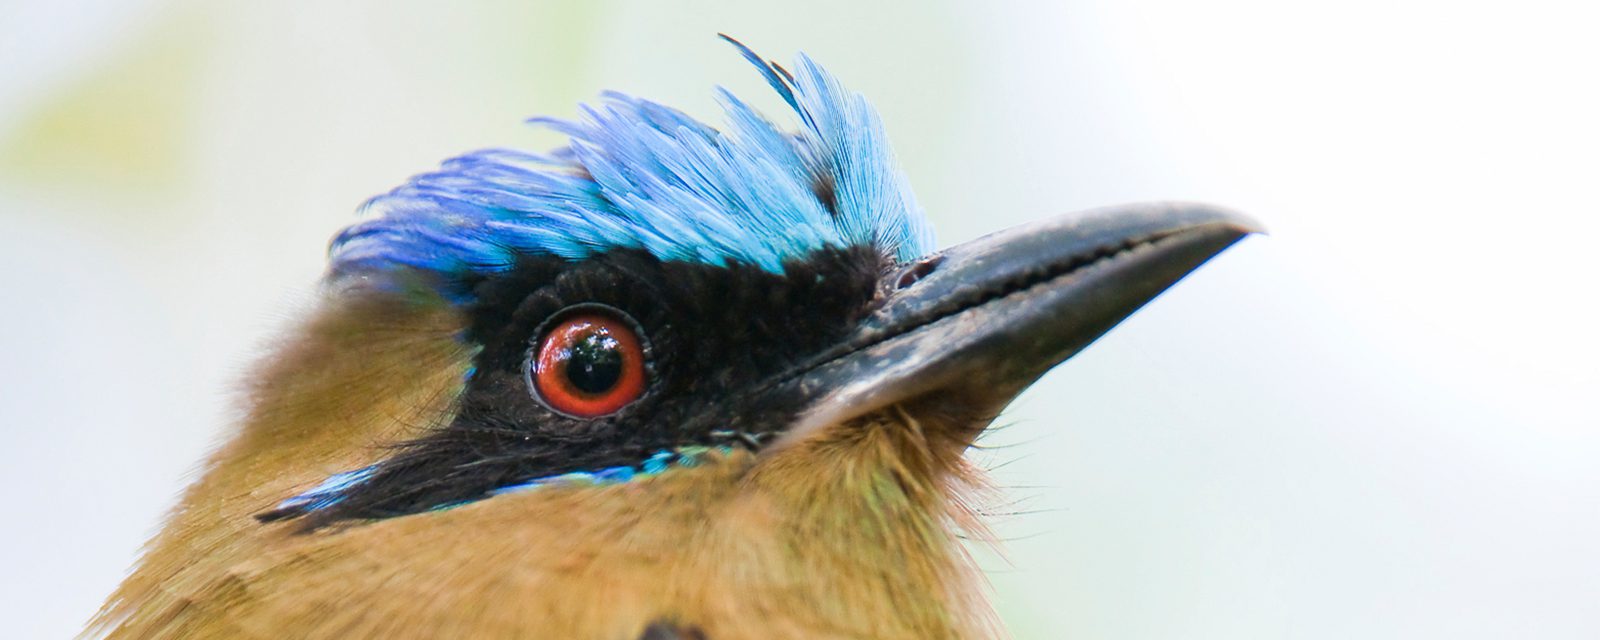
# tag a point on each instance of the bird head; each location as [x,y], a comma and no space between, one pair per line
[665,379]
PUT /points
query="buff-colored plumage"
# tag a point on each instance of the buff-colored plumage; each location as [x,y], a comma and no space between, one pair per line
[740,546]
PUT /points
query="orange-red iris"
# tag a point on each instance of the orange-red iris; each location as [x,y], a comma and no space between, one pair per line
[589,365]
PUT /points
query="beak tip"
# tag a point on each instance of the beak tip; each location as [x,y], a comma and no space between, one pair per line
[1232,219]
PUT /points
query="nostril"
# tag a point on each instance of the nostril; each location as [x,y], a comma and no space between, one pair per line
[916,272]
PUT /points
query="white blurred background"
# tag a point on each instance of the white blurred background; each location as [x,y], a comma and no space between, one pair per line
[1378,422]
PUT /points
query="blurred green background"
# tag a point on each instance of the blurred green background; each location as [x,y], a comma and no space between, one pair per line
[1378,422]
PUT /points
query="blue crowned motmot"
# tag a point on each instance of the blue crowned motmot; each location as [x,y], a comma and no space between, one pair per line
[667,381]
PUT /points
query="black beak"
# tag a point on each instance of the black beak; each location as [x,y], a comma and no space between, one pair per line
[983,320]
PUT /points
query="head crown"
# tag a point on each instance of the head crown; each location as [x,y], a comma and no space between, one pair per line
[639,175]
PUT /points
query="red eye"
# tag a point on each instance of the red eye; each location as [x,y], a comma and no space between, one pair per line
[588,365]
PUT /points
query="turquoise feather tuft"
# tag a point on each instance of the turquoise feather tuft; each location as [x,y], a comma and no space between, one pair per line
[639,175]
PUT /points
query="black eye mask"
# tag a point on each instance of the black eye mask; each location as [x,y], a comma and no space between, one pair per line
[706,338]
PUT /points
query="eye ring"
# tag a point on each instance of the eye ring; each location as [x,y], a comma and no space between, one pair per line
[588,361]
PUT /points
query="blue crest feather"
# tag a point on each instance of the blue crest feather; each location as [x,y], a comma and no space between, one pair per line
[640,175]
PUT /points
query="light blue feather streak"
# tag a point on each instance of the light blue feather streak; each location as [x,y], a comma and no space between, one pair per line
[330,491]
[661,461]
[641,175]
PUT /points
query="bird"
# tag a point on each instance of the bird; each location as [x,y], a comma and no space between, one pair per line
[666,381]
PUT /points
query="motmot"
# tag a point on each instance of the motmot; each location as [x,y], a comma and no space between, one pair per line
[665,381]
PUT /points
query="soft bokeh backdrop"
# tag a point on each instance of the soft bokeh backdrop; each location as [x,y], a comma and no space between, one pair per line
[1379,422]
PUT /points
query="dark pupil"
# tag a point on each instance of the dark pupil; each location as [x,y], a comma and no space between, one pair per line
[595,363]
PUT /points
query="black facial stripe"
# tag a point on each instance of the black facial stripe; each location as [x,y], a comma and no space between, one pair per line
[717,333]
